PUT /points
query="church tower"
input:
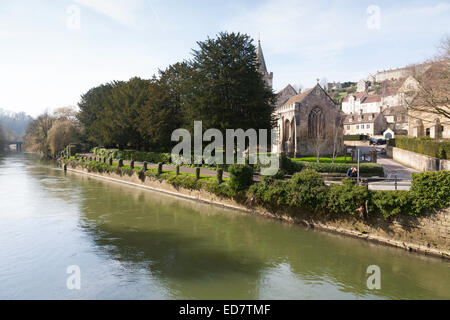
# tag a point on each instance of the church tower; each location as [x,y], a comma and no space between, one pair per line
[268,77]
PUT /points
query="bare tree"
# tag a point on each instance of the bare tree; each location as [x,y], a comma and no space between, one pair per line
[432,94]
[318,143]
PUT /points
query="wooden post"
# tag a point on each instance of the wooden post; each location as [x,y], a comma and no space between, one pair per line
[160,165]
[395,181]
[120,163]
[177,170]
[110,161]
[132,164]
[197,173]
[219,175]
[144,168]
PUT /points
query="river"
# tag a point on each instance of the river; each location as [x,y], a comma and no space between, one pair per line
[131,243]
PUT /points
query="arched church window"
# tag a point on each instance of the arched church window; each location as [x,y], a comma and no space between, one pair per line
[316,124]
[287,130]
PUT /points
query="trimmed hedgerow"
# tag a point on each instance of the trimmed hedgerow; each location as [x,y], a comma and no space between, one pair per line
[423,145]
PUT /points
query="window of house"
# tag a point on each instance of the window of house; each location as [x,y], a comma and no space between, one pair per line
[368,126]
[348,127]
[357,126]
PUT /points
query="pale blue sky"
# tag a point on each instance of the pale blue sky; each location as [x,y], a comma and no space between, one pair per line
[47,59]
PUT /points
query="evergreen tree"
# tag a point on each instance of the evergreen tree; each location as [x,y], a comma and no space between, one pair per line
[226,89]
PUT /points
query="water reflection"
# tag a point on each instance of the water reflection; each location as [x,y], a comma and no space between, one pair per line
[133,243]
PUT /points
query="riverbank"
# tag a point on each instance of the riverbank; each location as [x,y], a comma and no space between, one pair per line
[425,234]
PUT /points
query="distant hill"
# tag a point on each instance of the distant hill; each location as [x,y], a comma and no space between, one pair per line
[16,122]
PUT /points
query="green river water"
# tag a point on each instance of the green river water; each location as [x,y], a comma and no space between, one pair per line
[131,243]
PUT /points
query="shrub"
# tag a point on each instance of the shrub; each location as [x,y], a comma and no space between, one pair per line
[430,190]
[186,182]
[270,192]
[390,203]
[307,190]
[347,198]
[241,177]
[289,166]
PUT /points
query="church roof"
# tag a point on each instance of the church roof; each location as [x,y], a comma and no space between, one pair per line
[285,94]
[299,97]
[261,61]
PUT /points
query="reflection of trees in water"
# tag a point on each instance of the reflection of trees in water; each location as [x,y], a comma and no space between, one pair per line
[182,243]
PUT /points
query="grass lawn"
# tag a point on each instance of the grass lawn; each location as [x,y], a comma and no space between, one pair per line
[324,159]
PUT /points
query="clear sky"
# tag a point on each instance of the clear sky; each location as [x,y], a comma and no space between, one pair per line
[51,52]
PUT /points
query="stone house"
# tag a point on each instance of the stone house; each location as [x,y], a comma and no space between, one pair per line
[396,117]
[369,124]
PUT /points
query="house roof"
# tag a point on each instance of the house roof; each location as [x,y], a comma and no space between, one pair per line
[372,98]
[358,96]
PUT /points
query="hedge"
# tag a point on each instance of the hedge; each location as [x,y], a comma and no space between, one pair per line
[355,137]
[364,168]
[152,157]
[423,145]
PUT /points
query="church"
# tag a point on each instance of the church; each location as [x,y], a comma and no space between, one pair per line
[308,122]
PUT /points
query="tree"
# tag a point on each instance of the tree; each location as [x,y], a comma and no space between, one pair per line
[96,114]
[62,133]
[432,94]
[162,112]
[226,89]
[36,134]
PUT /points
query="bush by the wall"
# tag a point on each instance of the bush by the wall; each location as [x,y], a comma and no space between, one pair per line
[390,203]
[348,198]
[306,189]
[430,190]
[241,177]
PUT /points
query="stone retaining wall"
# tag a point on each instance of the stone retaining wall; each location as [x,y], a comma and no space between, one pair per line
[427,234]
[417,161]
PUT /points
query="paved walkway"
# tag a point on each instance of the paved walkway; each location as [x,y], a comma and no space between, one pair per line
[392,169]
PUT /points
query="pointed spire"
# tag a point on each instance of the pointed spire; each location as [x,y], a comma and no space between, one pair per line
[260,57]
